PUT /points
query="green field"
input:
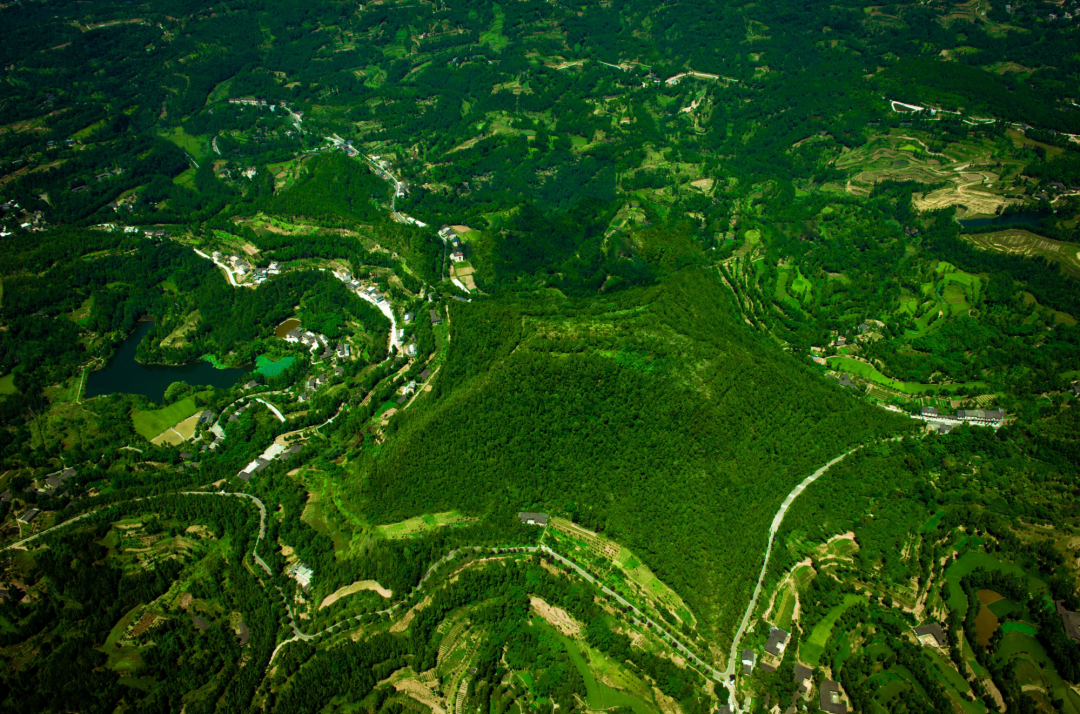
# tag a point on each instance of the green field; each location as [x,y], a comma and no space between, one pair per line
[270,368]
[7,383]
[812,649]
[196,146]
[149,424]
[599,695]
[965,565]
[785,608]
[494,36]
[866,371]
[419,524]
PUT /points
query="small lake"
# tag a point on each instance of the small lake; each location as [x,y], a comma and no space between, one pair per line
[286,327]
[1027,218]
[124,374]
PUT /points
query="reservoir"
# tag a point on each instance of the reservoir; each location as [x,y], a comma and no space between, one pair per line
[124,374]
[286,327]
[1027,218]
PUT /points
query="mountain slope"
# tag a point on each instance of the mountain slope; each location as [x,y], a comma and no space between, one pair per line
[651,415]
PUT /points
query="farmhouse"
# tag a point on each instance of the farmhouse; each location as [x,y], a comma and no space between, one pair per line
[982,416]
[301,573]
[199,622]
[803,676]
[931,635]
[1071,621]
[533,519]
[929,411]
[457,257]
[749,659]
[29,515]
[830,698]
[436,318]
[777,641]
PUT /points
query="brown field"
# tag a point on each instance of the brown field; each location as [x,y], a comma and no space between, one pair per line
[354,588]
[555,616]
[1015,241]
[974,181]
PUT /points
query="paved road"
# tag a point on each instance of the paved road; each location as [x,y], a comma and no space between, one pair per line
[271,407]
[777,520]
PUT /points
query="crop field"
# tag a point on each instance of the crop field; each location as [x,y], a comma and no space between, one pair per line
[971,172]
[148,424]
[966,564]
[866,371]
[814,647]
[196,146]
[418,524]
[272,368]
[1020,242]
[785,608]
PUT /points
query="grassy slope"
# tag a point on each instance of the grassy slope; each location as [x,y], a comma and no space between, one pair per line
[654,410]
[149,424]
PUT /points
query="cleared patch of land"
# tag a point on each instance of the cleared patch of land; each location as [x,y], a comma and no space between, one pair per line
[149,424]
[418,524]
[1020,242]
[356,587]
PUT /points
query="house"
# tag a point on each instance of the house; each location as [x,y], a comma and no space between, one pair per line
[723,709]
[840,341]
[339,370]
[199,622]
[749,659]
[274,268]
[931,635]
[29,515]
[929,412]
[53,482]
[1071,621]
[242,634]
[410,349]
[301,573]
[251,384]
[457,257]
[533,519]
[982,416]
[436,318]
[423,376]
[943,429]
[5,497]
[777,642]
[803,676]
[407,318]
[830,698]
[845,381]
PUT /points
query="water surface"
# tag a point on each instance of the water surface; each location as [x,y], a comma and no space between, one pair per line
[124,374]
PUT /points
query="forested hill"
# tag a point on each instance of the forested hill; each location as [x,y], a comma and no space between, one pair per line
[652,415]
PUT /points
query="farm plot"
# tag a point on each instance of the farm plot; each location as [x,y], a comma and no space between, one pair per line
[1025,243]
[973,178]
[418,524]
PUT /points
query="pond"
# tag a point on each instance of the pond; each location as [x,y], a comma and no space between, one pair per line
[1027,218]
[286,327]
[124,374]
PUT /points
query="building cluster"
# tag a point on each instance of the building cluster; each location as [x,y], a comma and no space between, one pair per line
[450,235]
[980,417]
[301,573]
[307,338]
[830,693]
[274,451]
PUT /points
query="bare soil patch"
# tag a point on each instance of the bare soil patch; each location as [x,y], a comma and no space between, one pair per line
[356,587]
[555,616]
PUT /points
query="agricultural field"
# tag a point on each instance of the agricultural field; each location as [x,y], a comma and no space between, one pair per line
[151,423]
[419,525]
[1028,244]
[975,176]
